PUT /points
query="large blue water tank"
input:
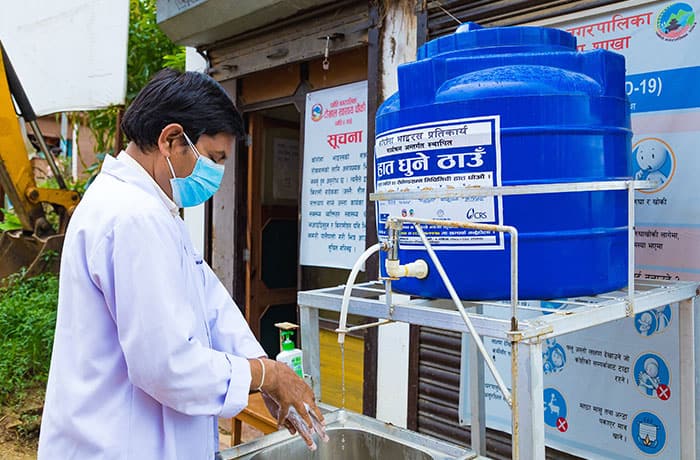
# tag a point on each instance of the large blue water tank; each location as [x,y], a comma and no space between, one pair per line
[509,106]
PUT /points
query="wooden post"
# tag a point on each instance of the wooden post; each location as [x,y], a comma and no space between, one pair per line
[369,390]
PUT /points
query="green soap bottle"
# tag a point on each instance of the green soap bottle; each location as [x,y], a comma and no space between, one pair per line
[290,355]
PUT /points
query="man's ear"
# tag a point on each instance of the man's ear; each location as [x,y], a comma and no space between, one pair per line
[167,138]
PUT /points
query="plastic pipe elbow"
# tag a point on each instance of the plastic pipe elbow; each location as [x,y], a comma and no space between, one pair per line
[416,269]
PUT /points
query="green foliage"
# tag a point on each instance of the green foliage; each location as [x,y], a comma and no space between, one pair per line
[150,50]
[175,61]
[30,425]
[49,256]
[103,126]
[148,46]
[27,323]
[71,184]
[10,221]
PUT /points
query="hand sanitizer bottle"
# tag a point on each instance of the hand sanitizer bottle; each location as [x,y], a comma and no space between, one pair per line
[290,355]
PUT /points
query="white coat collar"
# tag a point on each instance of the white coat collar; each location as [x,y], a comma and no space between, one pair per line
[124,167]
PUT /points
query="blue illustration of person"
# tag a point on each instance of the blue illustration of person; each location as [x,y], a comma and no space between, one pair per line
[652,376]
[649,377]
[646,323]
[654,161]
[554,357]
[652,321]
[663,317]
[558,357]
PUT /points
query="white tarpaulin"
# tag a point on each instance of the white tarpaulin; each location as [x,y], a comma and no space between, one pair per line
[69,55]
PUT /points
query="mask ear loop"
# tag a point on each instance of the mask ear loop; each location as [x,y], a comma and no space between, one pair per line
[194,149]
[170,165]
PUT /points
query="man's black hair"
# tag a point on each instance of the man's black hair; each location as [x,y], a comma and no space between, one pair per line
[192,99]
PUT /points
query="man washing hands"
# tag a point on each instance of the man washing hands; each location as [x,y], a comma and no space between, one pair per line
[150,349]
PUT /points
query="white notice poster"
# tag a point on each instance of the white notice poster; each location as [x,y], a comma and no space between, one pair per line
[285,177]
[334,177]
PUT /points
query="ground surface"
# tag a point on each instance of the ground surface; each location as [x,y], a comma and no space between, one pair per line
[19,427]
[12,450]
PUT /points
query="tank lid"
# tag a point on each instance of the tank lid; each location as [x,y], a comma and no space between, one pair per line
[470,36]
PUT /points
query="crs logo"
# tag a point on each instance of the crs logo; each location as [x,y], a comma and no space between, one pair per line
[316,112]
[473,214]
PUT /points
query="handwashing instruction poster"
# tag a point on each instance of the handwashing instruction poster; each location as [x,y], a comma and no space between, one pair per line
[611,392]
[334,176]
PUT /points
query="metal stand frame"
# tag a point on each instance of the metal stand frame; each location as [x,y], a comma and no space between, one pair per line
[492,319]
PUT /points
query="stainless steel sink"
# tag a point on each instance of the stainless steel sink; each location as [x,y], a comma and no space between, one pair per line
[352,436]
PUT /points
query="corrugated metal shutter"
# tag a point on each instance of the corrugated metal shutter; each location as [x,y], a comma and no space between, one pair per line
[438,383]
[502,12]
[438,353]
[438,391]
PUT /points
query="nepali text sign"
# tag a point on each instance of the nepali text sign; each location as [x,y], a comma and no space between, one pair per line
[442,155]
[335,176]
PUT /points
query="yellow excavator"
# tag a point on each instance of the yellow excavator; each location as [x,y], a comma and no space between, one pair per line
[36,245]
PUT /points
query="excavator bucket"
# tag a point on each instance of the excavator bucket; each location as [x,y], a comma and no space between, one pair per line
[36,255]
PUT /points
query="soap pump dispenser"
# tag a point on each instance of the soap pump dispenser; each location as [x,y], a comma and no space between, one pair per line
[290,355]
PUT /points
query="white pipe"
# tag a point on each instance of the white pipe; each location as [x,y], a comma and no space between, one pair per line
[359,327]
[342,330]
[490,227]
[458,303]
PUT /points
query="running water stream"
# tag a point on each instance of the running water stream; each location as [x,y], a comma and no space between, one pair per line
[342,388]
[342,375]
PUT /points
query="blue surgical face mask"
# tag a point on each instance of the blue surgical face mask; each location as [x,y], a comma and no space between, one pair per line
[200,185]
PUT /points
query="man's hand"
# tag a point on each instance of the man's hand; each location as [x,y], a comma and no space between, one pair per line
[291,401]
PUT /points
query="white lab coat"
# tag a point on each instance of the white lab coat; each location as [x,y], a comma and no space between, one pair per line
[149,347]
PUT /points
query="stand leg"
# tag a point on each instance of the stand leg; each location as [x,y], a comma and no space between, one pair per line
[311,347]
[528,401]
[471,385]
